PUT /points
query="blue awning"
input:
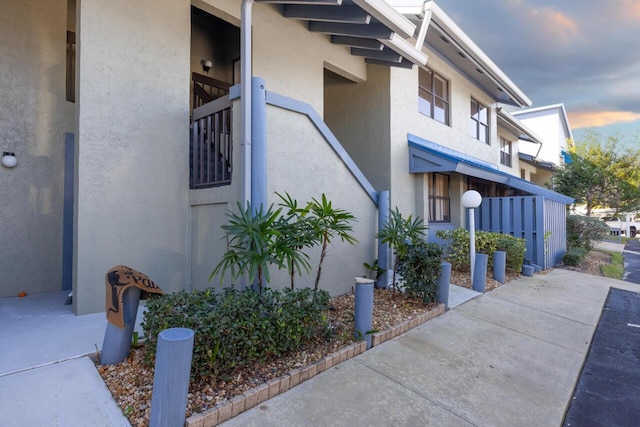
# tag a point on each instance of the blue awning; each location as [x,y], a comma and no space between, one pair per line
[426,156]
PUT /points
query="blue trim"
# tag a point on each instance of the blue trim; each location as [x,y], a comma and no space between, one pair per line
[427,156]
[258,144]
[67,212]
[290,104]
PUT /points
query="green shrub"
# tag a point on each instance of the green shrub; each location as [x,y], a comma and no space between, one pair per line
[515,249]
[457,249]
[420,267]
[236,328]
[574,256]
[583,230]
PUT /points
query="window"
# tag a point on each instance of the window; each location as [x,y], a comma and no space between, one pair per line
[505,151]
[439,198]
[479,121]
[433,95]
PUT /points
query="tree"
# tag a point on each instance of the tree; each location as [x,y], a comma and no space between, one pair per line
[399,233]
[601,174]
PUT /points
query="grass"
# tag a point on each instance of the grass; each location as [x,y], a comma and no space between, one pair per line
[615,269]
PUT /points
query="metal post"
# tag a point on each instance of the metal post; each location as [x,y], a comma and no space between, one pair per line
[171,377]
[472,240]
[245,95]
[499,265]
[258,144]
[383,248]
[117,341]
[480,272]
[443,284]
[364,309]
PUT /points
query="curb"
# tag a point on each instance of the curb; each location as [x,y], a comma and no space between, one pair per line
[228,409]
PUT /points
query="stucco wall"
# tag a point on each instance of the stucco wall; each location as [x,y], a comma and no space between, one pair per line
[132,177]
[34,116]
[358,115]
[287,55]
[546,124]
[405,118]
[297,156]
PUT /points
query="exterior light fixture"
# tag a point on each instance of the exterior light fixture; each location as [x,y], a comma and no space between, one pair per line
[9,159]
[206,65]
[471,200]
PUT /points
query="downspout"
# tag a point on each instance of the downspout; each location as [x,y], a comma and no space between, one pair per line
[245,97]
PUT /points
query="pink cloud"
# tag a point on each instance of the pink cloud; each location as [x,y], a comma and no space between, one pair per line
[550,24]
[600,118]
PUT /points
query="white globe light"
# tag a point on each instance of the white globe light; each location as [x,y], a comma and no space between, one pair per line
[9,160]
[471,199]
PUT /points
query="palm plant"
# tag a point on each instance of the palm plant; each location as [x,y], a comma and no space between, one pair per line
[399,233]
[296,233]
[329,223]
[254,243]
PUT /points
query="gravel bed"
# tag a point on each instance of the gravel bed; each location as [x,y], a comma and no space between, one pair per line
[131,382]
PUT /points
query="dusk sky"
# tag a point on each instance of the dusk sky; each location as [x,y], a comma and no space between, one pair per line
[583,53]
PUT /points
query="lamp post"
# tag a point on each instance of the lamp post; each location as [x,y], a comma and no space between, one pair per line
[471,200]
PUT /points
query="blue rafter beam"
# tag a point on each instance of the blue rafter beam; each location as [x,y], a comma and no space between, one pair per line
[370,31]
[357,42]
[405,63]
[383,55]
[345,14]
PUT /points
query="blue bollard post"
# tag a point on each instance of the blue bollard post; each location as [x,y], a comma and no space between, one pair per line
[383,248]
[443,284]
[364,309]
[171,377]
[117,341]
[499,266]
[480,272]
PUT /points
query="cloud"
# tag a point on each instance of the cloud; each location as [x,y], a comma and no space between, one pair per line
[600,118]
[581,53]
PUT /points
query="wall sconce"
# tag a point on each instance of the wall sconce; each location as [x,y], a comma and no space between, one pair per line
[9,159]
[206,66]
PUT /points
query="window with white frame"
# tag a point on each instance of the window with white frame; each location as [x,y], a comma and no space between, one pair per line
[433,95]
[505,151]
[479,121]
[439,202]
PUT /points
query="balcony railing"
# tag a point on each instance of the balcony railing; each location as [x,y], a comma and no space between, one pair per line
[207,89]
[211,145]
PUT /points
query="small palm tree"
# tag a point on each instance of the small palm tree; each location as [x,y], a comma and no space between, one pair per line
[255,243]
[399,233]
[296,233]
[328,223]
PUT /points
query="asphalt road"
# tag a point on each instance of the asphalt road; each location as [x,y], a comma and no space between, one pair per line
[632,261]
[609,386]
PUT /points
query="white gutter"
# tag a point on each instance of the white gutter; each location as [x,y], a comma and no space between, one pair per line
[245,97]
[404,48]
[455,32]
[390,17]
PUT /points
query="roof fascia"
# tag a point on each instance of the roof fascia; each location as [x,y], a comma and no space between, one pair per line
[455,33]
[562,112]
[387,15]
[515,124]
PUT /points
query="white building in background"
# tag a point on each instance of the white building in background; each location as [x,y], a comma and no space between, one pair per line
[551,124]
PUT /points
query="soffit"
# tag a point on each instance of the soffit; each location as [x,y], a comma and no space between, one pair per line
[371,29]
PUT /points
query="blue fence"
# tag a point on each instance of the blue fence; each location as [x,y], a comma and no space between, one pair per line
[541,222]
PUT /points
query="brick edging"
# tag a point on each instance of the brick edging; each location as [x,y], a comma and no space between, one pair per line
[228,409]
[392,332]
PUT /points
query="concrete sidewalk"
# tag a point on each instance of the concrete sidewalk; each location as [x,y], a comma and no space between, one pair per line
[46,379]
[510,357]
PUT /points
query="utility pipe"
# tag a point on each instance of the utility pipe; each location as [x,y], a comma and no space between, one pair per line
[245,96]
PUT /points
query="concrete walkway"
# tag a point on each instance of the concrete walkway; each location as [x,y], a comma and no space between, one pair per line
[46,378]
[510,357]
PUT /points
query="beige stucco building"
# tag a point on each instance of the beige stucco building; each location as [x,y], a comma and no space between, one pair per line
[99,98]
